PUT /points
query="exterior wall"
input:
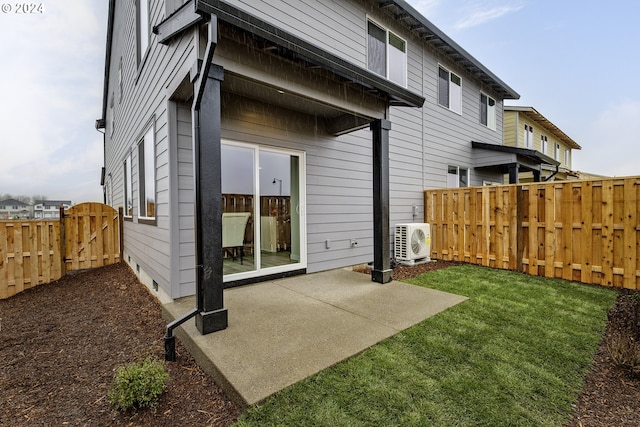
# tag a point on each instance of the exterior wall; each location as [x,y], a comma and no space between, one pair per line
[338,176]
[144,102]
[338,169]
[514,128]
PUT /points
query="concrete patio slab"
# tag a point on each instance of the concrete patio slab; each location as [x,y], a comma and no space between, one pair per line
[283,331]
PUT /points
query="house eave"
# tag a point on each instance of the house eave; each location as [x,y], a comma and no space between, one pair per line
[432,35]
[305,51]
[107,64]
[534,115]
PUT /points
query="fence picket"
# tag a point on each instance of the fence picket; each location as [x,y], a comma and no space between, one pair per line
[576,230]
[40,251]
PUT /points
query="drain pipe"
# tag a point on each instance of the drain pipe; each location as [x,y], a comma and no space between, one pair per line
[550,177]
[170,339]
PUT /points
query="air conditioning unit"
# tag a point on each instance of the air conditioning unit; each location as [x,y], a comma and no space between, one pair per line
[412,243]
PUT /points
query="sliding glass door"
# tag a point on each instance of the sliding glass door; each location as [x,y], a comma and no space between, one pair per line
[263,211]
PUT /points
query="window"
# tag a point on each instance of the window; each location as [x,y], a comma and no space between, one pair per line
[567,158]
[142,26]
[457,177]
[449,90]
[528,136]
[557,152]
[487,111]
[147,176]
[544,144]
[112,117]
[120,81]
[128,189]
[386,54]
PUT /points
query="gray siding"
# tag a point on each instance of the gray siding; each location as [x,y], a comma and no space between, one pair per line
[144,103]
[338,174]
[424,141]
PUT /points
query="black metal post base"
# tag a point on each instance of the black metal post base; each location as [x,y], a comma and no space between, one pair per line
[170,348]
[212,321]
[381,276]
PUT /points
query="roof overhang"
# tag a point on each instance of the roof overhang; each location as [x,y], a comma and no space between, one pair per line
[500,157]
[286,45]
[404,13]
[538,118]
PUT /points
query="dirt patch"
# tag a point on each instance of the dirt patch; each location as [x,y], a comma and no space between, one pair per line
[60,344]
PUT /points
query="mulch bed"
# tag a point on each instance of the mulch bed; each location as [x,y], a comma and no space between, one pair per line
[61,343]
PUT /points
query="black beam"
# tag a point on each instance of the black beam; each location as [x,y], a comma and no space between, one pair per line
[381,271]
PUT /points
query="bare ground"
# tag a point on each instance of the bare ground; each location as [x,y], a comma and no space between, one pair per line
[60,344]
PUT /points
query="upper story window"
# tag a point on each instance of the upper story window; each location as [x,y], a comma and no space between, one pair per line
[557,152]
[120,81]
[147,176]
[544,144]
[128,188]
[528,136]
[567,158]
[449,90]
[488,111]
[142,28]
[386,54]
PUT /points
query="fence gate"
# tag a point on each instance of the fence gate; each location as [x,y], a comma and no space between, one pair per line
[36,252]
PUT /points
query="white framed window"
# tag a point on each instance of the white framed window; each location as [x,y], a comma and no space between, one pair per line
[112,118]
[386,53]
[528,136]
[142,29]
[567,158]
[488,111]
[544,144]
[128,188]
[556,155]
[457,177]
[147,176]
[120,81]
[449,90]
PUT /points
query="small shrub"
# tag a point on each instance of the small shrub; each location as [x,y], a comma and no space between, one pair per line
[137,384]
[625,351]
[624,341]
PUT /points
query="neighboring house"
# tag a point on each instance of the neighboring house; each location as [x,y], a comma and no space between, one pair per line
[526,128]
[49,209]
[15,209]
[315,126]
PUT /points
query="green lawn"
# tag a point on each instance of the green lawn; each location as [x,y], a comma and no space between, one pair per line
[514,354]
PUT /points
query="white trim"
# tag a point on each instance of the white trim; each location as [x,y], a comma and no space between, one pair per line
[450,93]
[302,264]
[387,31]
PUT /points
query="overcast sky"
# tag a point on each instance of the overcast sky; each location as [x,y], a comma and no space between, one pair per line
[575,61]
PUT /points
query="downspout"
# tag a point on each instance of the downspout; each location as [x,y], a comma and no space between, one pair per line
[553,174]
[212,35]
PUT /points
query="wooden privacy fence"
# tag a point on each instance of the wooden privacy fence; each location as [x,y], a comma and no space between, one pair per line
[586,231]
[37,252]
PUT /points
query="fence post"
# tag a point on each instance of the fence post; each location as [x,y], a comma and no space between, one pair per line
[518,230]
[121,232]
[63,244]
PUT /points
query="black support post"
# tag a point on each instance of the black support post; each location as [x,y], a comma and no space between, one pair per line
[536,176]
[381,272]
[514,169]
[212,316]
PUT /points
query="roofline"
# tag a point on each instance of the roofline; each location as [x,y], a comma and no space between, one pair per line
[527,152]
[442,42]
[542,120]
[101,122]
